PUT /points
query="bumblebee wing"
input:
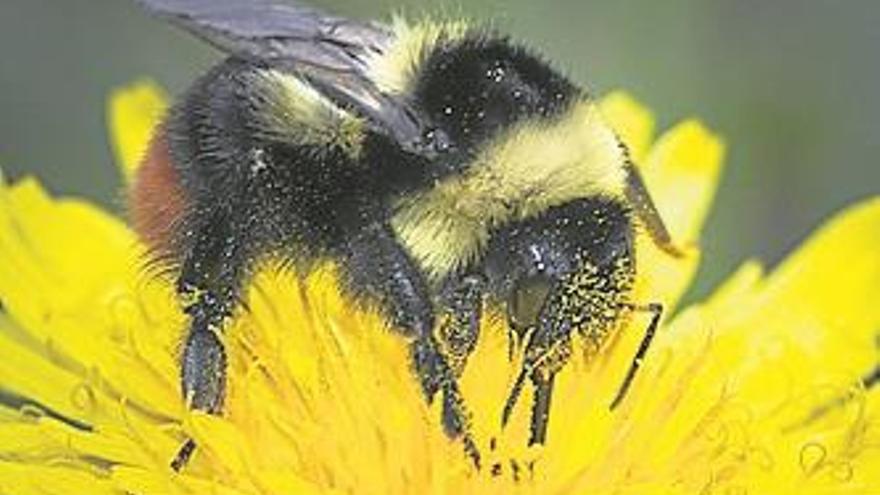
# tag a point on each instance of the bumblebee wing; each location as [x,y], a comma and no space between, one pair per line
[268,30]
[331,52]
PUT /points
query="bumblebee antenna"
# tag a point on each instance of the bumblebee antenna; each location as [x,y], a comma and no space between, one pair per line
[644,206]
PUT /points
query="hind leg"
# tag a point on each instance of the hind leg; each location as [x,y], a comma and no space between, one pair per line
[203,365]
[209,288]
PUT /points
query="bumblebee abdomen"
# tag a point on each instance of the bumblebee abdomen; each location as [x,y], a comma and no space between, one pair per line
[157,200]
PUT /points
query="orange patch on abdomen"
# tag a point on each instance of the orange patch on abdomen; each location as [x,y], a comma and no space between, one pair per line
[157,200]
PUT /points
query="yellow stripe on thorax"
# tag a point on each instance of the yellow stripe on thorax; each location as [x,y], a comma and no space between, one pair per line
[297,113]
[396,69]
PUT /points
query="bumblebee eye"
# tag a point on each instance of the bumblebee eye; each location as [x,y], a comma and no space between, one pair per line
[526,300]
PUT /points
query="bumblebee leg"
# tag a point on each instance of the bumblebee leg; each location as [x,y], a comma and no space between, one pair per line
[548,350]
[380,268]
[459,327]
[872,378]
[657,311]
[513,396]
[211,289]
[435,375]
[203,366]
[549,360]
[541,407]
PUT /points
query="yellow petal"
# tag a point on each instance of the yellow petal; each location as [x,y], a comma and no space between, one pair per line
[775,392]
[632,121]
[743,281]
[25,373]
[321,399]
[819,311]
[681,173]
[28,479]
[52,283]
[38,278]
[133,112]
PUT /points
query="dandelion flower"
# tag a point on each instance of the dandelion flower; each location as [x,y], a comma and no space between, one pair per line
[764,387]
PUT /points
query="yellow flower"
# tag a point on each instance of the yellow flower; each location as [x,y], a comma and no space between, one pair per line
[758,389]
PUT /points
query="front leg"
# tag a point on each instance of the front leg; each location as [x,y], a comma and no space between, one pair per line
[589,301]
[548,350]
[380,269]
[656,310]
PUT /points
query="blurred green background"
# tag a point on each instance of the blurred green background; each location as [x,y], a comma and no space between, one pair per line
[790,84]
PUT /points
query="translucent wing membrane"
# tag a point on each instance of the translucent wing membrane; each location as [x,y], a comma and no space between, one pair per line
[267,30]
[330,51]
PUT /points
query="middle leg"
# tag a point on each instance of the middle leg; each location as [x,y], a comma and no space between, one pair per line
[460,313]
[380,269]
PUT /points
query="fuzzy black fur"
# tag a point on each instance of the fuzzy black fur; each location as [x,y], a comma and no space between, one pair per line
[475,87]
[249,197]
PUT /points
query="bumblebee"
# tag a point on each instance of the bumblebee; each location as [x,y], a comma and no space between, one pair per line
[441,166]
